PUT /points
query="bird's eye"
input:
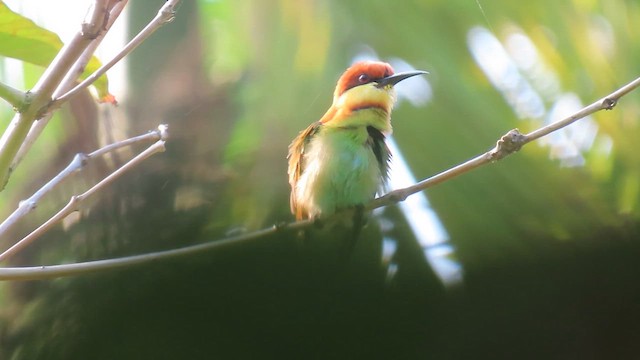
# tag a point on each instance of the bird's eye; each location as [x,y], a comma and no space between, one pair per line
[363,78]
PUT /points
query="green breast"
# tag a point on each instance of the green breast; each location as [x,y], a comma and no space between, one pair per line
[345,167]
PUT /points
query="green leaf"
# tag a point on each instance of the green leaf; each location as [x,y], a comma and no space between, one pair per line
[22,39]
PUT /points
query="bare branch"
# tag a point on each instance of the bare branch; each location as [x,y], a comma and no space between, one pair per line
[507,145]
[78,162]
[606,103]
[75,201]
[48,272]
[165,15]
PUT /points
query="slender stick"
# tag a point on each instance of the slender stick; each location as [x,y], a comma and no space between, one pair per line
[606,103]
[55,271]
[509,143]
[76,200]
[78,162]
[165,15]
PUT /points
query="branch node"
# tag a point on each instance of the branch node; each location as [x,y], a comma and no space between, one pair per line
[81,159]
[508,144]
[75,199]
[163,131]
[397,196]
[98,19]
[609,103]
[30,204]
[280,225]
[28,99]
[89,31]
[168,14]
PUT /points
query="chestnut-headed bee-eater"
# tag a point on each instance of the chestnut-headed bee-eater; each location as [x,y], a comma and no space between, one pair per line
[342,160]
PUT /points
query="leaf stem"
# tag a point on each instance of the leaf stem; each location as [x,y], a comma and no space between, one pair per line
[14,97]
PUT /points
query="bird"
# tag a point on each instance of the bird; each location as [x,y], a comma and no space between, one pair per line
[342,160]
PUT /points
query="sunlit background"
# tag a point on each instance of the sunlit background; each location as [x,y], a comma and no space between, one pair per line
[543,242]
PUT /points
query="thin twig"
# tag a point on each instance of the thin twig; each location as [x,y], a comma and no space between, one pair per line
[55,271]
[159,134]
[606,103]
[165,15]
[508,144]
[76,200]
[78,162]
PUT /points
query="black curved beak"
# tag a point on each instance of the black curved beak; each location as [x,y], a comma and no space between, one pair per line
[396,78]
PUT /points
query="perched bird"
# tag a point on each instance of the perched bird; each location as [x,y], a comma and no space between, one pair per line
[342,160]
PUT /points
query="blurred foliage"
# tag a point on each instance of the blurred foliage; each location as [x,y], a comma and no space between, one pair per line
[544,242]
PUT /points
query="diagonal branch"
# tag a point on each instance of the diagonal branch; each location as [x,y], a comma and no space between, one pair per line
[79,161]
[165,15]
[55,271]
[76,200]
[507,145]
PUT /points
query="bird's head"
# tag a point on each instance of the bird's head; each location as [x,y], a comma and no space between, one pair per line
[365,85]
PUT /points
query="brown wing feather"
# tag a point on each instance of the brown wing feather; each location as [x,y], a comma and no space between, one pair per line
[296,166]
